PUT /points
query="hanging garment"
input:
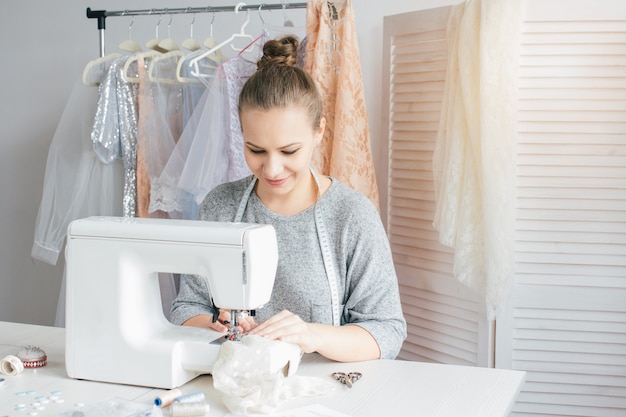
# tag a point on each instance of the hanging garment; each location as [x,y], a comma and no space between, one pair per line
[474,156]
[216,153]
[115,128]
[144,110]
[161,106]
[76,183]
[166,195]
[159,112]
[332,59]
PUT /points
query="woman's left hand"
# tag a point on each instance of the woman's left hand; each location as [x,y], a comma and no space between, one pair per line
[288,327]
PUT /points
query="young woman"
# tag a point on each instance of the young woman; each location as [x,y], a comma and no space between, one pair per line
[341,302]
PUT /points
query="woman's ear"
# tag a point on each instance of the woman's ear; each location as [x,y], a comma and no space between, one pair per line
[319,134]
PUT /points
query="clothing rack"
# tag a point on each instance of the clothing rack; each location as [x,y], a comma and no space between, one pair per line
[101,15]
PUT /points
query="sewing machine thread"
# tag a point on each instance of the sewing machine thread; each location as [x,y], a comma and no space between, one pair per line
[189,409]
[11,365]
[167,397]
[192,397]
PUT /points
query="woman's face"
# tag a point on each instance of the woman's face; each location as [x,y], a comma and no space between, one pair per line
[278,147]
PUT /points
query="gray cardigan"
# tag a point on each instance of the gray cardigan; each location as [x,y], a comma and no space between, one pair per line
[366,278]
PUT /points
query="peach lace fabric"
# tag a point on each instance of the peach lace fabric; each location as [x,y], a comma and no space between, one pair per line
[474,157]
[332,59]
[143,180]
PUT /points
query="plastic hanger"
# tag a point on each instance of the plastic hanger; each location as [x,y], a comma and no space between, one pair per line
[147,56]
[154,43]
[129,44]
[194,63]
[261,16]
[211,43]
[167,44]
[154,62]
[286,21]
[242,32]
[208,61]
[190,43]
[96,69]
[286,28]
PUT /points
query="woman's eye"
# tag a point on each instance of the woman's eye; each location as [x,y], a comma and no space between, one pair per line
[256,151]
[290,152]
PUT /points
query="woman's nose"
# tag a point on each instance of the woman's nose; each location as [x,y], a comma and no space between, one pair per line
[272,166]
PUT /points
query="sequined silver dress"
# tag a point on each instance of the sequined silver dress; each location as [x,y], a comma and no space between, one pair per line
[114,132]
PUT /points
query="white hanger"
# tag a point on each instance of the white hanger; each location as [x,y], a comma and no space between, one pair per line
[155,60]
[245,48]
[286,21]
[211,43]
[147,56]
[168,44]
[154,43]
[129,44]
[96,69]
[242,34]
[190,43]
[212,61]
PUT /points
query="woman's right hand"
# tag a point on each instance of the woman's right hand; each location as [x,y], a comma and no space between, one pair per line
[222,324]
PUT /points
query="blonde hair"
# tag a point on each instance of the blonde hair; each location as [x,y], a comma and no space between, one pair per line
[278,83]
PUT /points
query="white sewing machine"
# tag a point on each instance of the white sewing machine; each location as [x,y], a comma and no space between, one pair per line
[115,327]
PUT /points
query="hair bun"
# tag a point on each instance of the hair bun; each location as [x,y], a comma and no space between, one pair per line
[282,51]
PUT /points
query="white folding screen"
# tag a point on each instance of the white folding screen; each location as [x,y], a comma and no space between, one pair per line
[446,321]
[566,321]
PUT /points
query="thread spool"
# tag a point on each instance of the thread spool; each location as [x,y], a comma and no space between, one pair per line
[167,397]
[193,397]
[11,365]
[189,409]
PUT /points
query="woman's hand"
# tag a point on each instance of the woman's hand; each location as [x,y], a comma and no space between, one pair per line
[345,343]
[290,328]
[222,324]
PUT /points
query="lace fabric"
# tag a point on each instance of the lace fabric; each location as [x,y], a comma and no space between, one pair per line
[199,161]
[473,160]
[163,124]
[332,59]
[236,72]
[165,194]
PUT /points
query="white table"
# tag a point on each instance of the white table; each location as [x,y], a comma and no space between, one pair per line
[387,388]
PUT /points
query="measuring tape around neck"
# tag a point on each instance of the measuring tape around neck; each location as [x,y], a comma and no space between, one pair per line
[322,237]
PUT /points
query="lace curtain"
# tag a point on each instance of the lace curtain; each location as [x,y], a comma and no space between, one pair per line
[474,157]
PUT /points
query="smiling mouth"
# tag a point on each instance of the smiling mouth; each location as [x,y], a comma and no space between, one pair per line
[276,183]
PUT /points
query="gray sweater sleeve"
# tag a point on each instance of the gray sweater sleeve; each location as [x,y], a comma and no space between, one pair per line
[372,298]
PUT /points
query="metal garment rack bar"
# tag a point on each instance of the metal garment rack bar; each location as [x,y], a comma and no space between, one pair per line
[101,15]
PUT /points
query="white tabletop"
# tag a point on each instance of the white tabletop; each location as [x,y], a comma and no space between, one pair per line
[387,388]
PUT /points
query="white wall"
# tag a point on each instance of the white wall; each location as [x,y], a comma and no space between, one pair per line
[45,45]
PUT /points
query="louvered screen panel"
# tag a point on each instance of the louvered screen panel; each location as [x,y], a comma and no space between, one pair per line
[443,316]
[569,306]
